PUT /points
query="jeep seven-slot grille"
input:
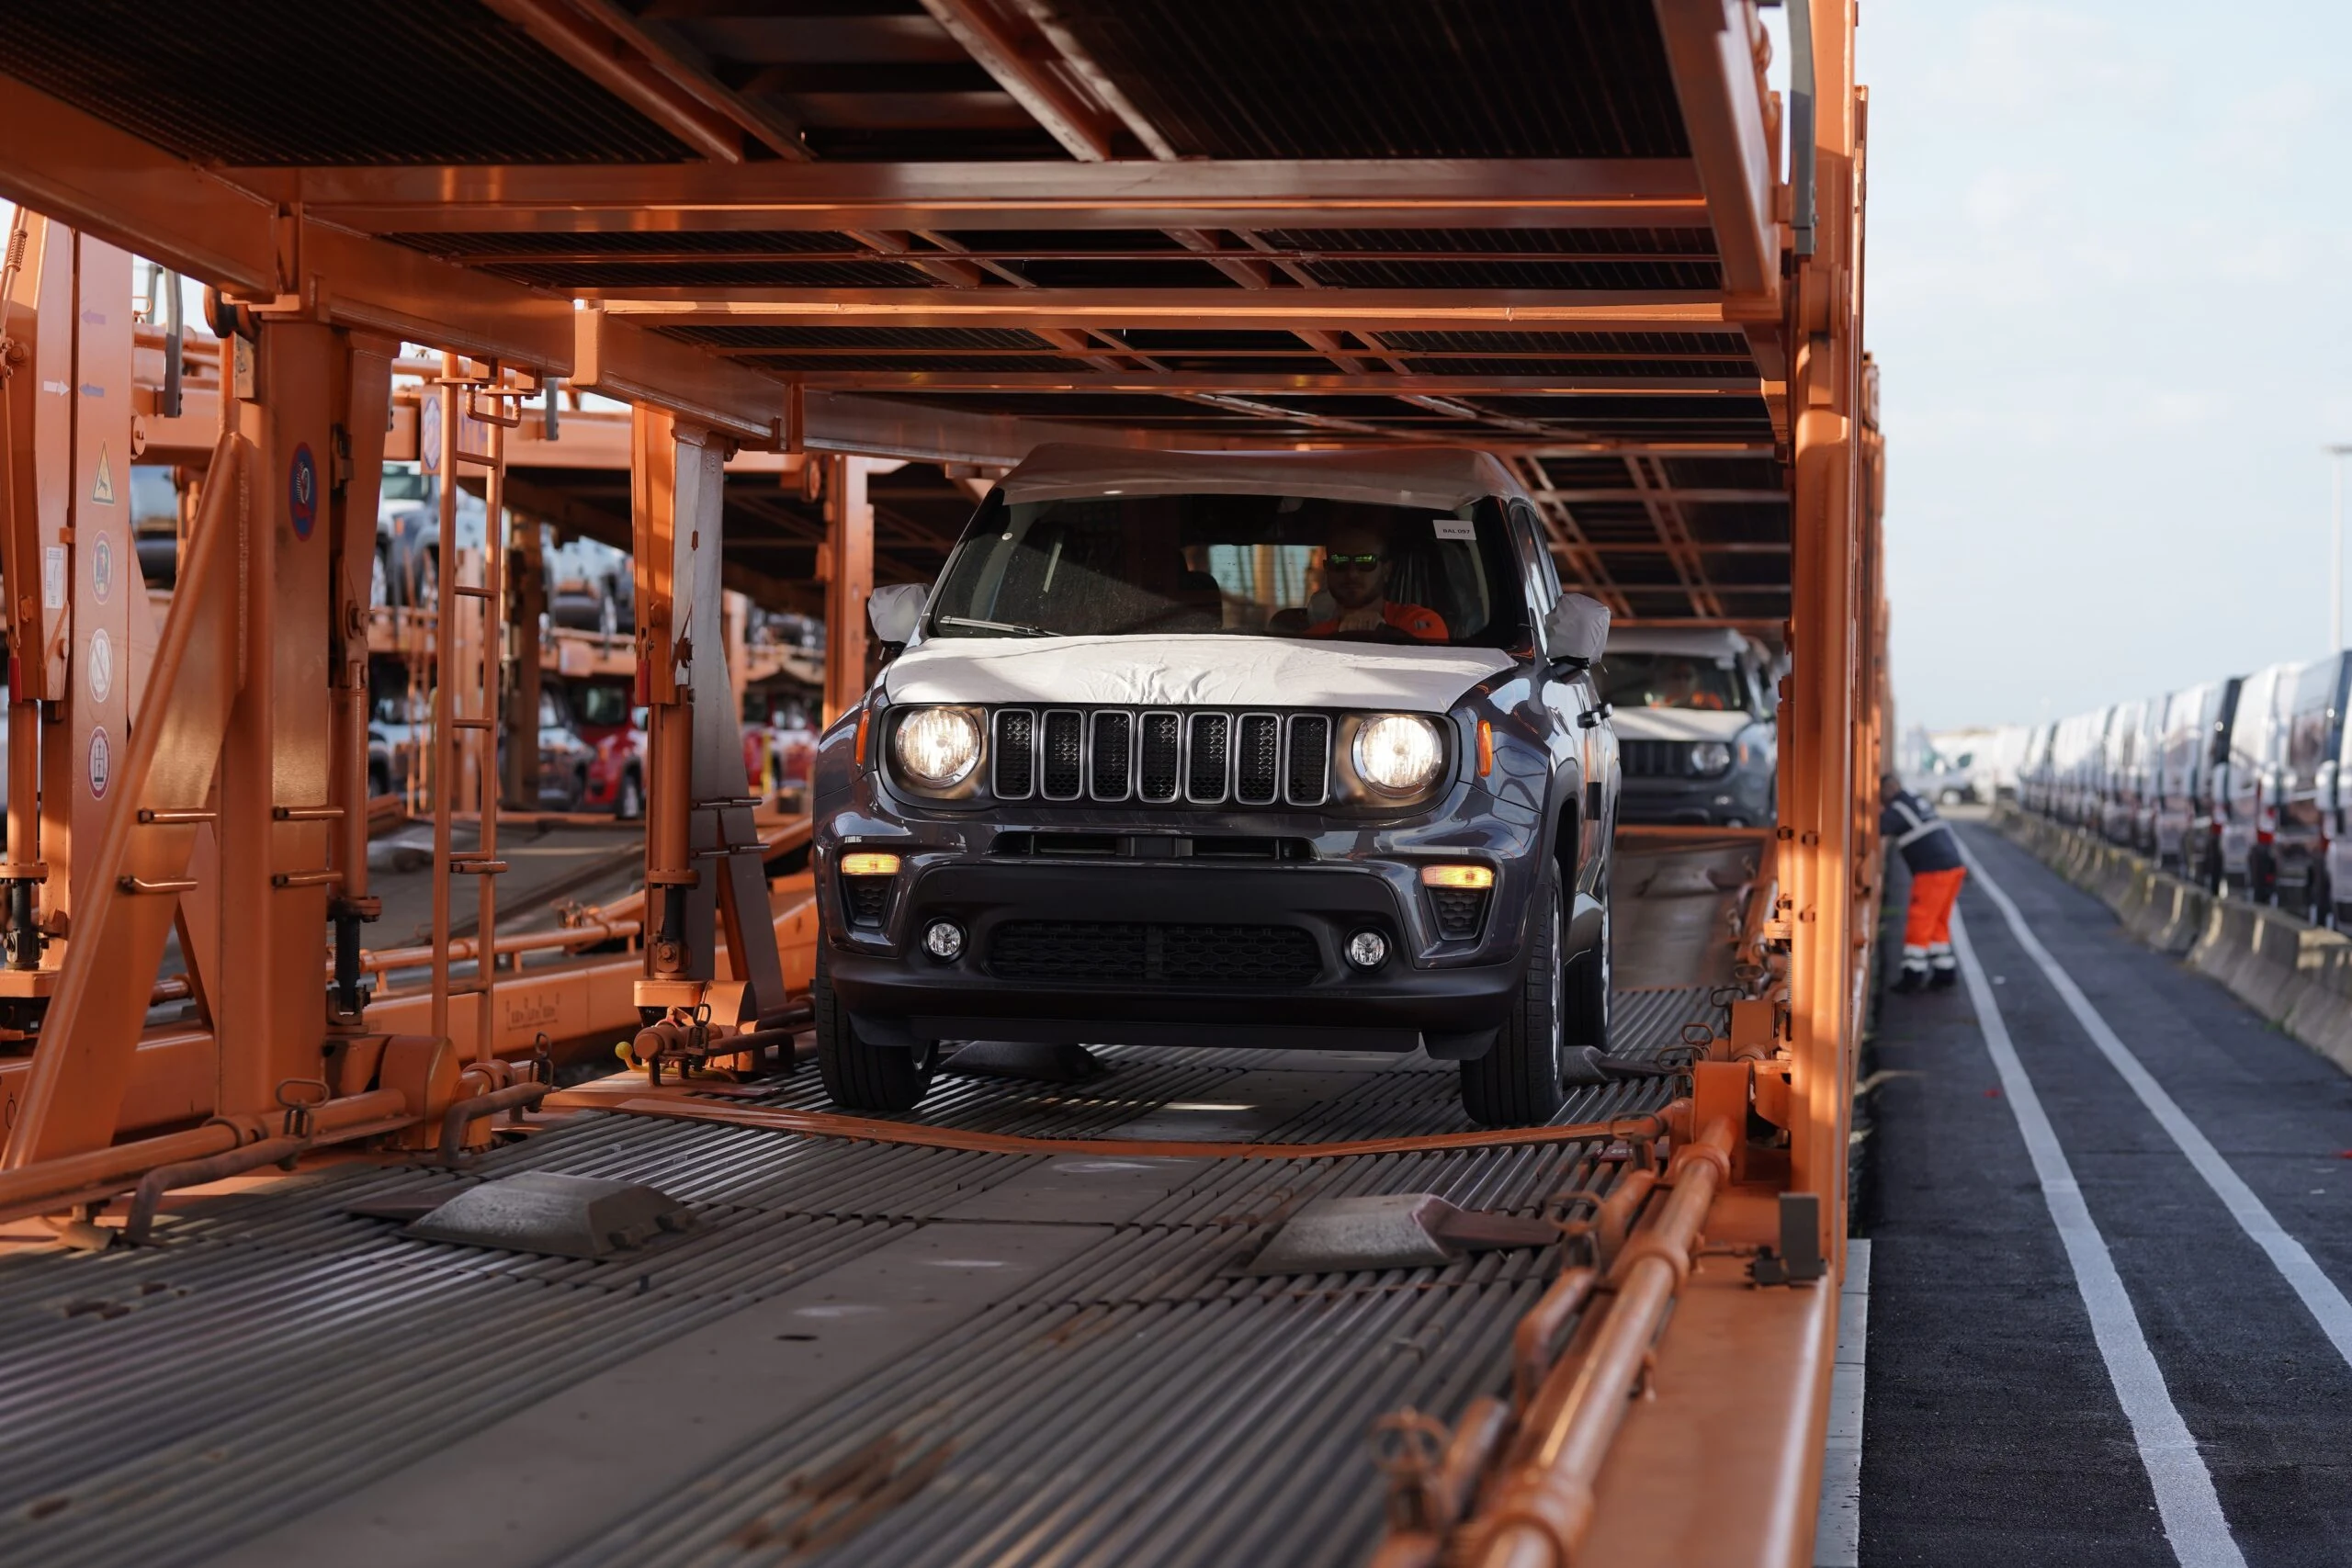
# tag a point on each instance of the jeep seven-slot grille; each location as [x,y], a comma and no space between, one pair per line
[1654,759]
[1158,757]
[1130,953]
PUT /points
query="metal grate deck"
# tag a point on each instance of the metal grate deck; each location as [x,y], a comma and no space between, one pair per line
[281,1367]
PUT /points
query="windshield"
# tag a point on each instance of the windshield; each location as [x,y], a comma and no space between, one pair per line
[1670,680]
[600,705]
[1237,565]
[402,482]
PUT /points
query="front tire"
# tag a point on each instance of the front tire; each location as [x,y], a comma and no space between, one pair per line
[1517,1082]
[859,1076]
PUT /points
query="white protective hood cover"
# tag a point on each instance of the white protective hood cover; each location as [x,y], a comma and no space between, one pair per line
[1441,478]
[1679,723]
[1180,671]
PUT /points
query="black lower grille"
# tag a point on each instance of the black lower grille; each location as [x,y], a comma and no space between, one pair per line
[1124,952]
[867,898]
[1460,910]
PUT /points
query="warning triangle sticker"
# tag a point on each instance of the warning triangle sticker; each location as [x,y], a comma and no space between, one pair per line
[102,488]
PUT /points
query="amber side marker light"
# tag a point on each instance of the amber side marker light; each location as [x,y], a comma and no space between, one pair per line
[1486,753]
[869,864]
[1478,877]
[863,715]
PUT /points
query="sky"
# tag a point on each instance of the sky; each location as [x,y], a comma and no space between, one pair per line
[2110,281]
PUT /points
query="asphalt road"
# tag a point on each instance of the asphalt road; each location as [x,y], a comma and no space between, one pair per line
[2157,1381]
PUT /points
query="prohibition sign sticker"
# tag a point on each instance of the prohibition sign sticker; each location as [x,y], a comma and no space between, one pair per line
[101,665]
[101,764]
[302,491]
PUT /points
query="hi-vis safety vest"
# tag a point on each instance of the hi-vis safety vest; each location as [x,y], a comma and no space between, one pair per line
[1926,840]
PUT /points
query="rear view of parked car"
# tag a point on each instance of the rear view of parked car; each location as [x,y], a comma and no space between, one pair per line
[2311,741]
[2246,795]
[2190,751]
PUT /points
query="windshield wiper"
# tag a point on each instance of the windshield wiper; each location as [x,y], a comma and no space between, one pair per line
[1015,628]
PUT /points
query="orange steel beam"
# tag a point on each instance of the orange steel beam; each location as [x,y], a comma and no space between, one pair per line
[1674,536]
[1356,383]
[827,1124]
[1717,50]
[849,580]
[75,168]
[1544,1506]
[1374,193]
[613,49]
[1006,41]
[82,1061]
[1397,310]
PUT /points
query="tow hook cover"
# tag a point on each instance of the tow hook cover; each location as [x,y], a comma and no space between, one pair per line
[561,1217]
[1401,1230]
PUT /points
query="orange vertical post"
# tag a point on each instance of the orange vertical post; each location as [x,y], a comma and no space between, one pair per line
[849,583]
[276,761]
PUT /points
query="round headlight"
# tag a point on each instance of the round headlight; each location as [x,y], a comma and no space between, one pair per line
[1399,753]
[1710,757]
[938,748]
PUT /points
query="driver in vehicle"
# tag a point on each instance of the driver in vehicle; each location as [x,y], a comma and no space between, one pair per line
[1357,560]
[1680,688]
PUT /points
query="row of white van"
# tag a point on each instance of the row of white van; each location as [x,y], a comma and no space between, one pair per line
[2238,781]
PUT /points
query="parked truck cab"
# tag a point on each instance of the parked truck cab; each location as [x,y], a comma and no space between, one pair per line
[1296,749]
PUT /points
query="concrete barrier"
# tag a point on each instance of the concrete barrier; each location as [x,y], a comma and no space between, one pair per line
[2296,975]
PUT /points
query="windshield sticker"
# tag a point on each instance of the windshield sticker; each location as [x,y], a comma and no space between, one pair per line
[1456,528]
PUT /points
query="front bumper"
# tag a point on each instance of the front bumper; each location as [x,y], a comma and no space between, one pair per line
[898,995]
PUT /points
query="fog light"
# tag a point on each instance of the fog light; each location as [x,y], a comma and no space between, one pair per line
[1367,950]
[944,939]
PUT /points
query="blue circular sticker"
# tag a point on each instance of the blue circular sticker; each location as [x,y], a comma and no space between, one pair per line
[102,567]
[302,491]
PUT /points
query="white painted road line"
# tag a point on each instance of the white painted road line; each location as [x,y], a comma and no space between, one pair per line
[2320,1296]
[2183,1487]
[1837,1530]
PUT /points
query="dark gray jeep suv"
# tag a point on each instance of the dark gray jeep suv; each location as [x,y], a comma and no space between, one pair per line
[1296,750]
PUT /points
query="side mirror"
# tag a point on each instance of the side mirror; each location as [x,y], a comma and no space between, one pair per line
[1576,630]
[896,611]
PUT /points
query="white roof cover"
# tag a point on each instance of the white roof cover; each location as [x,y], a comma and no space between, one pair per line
[1441,478]
[1700,642]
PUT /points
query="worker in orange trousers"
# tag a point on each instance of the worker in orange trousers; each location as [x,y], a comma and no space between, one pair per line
[1930,849]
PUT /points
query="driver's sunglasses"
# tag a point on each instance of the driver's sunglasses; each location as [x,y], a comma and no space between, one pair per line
[1352,561]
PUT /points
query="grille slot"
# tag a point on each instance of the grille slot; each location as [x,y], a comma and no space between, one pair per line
[1063,767]
[1307,765]
[1207,768]
[1139,953]
[1654,759]
[1160,775]
[1111,759]
[1016,754]
[1258,759]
